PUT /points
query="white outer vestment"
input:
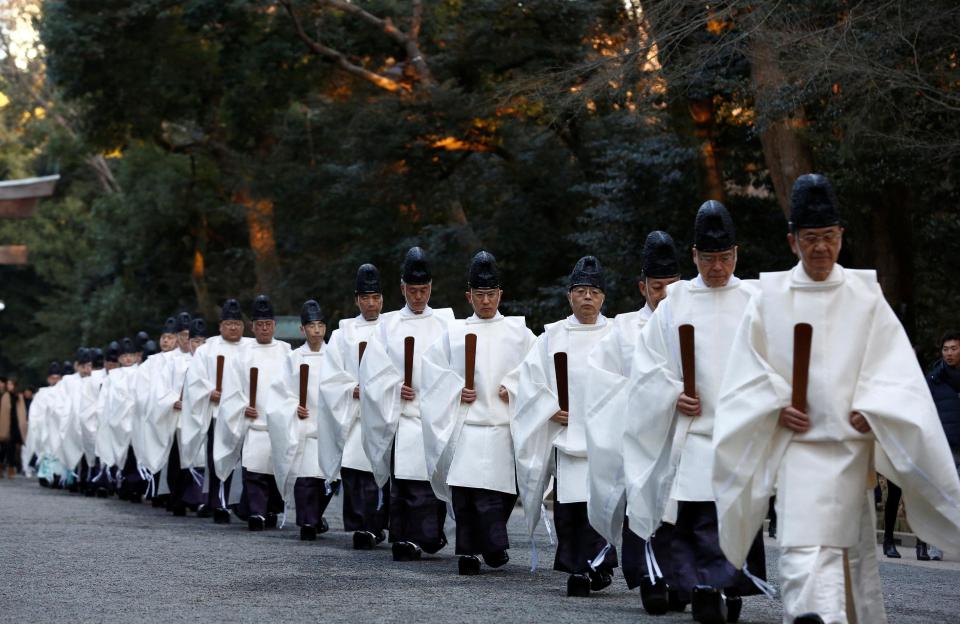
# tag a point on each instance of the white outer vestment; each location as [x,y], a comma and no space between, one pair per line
[387,422]
[469,445]
[861,360]
[338,417]
[607,415]
[667,455]
[293,441]
[535,436]
[235,434]
[198,410]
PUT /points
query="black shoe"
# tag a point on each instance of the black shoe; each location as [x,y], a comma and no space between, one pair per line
[653,596]
[157,501]
[707,605]
[406,551]
[255,523]
[271,520]
[601,578]
[179,510]
[204,511]
[324,527]
[135,498]
[89,492]
[674,603]
[73,488]
[363,540]
[922,553]
[221,516]
[890,550]
[808,618]
[496,559]
[734,606]
[103,492]
[469,565]
[381,536]
[308,533]
[578,586]
[43,483]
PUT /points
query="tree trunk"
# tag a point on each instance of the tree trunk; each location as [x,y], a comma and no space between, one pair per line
[786,155]
[259,215]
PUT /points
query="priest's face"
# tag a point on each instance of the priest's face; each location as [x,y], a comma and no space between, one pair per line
[231,330]
[818,249]
[654,289]
[263,330]
[314,331]
[586,302]
[370,305]
[195,343]
[183,340]
[716,267]
[52,380]
[111,365]
[128,359]
[951,352]
[84,370]
[417,296]
[168,342]
[485,301]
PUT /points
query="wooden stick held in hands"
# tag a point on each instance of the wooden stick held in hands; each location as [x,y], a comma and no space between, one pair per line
[688,360]
[220,360]
[563,391]
[254,373]
[802,340]
[304,377]
[363,347]
[470,357]
[408,343]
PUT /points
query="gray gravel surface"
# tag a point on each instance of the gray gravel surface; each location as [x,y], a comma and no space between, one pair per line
[67,558]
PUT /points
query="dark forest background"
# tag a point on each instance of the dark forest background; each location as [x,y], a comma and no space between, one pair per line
[215,148]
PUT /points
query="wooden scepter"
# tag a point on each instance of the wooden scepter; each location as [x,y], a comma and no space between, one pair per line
[254,373]
[304,378]
[802,340]
[408,343]
[688,360]
[363,347]
[563,389]
[220,360]
[470,360]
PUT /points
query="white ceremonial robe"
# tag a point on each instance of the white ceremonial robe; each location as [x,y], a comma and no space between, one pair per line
[198,410]
[535,436]
[119,406]
[861,360]
[469,445]
[388,423]
[293,441]
[668,457]
[607,414]
[148,376]
[103,445]
[89,412]
[38,422]
[338,418]
[161,420]
[235,434]
[71,431]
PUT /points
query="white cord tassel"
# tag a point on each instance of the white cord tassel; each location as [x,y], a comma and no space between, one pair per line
[600,557]
[761,584]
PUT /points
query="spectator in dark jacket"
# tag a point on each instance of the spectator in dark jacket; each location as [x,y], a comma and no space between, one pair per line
[944,382]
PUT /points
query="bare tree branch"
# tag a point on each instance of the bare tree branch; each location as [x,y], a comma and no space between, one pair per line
[339,58]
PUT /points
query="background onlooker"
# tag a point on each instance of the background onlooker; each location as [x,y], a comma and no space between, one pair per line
[944,382]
